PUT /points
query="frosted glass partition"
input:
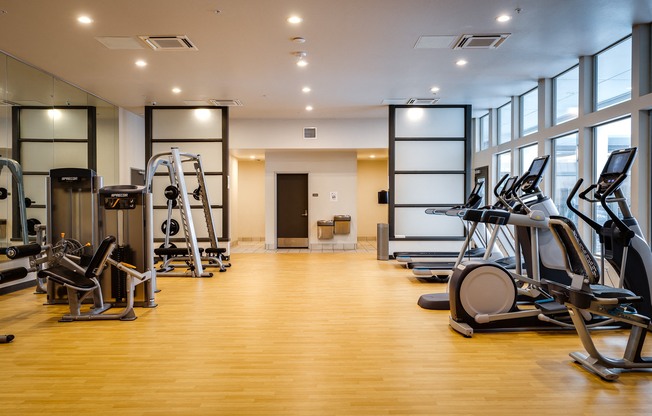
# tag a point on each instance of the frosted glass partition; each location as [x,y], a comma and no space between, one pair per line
[430,122]
[210,152]
[429,167]
[37,157]
[414,222]
[429,155]
[71,155]
[434,189]
[54,123]
[190,123]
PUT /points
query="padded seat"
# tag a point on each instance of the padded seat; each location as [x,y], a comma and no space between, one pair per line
[67,277]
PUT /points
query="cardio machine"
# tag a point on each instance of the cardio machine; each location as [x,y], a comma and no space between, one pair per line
[487,296]
[627,252]
[440,271]
[473,201]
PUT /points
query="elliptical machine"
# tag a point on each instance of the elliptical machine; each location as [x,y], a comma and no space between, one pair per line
[627,252]
[485,296]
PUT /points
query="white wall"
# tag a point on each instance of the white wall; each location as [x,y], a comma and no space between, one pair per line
[131,145]
[288,134]
[328,171]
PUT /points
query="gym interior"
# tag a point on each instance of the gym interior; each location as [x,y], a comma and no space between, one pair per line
[360,207]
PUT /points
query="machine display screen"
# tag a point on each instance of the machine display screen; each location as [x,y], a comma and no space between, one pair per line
[617,162]
[537,167]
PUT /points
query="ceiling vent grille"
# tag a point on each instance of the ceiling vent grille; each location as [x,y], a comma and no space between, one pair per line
[480,41]
[422,101]
[226,103]
[310,133]
[169,43]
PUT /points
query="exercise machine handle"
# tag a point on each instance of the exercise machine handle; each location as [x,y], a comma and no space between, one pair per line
[569,203]
[628,232]
[17,252]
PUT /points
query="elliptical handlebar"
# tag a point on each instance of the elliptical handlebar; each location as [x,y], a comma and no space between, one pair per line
[500,182]
[569,203]
[628,232]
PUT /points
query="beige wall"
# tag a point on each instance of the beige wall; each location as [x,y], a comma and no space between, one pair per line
[372,177]
[251,200]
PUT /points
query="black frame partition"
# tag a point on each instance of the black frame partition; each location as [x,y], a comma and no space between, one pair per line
[220,141]
[439,176]
[19,139]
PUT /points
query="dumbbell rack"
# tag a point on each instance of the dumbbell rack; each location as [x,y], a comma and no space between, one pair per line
[174,161]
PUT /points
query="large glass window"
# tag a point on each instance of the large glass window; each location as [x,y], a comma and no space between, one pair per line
[607,138]
[564,167]
[613,74]
[484,132]
[503,164]
[505,123]
[566,95]
[526,155]
[529,112]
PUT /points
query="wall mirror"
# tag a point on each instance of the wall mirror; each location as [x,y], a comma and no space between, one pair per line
[47,123]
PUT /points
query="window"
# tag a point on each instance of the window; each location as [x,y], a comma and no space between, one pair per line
[564,172]
[529,112]
[526,155]
[613,74]
[607,138]
[503,165]
[484,132]
[566,90]
[505,123]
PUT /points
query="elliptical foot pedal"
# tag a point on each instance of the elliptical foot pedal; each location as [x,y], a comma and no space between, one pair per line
[435,301]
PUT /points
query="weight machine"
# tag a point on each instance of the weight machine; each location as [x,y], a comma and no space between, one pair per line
[177,195]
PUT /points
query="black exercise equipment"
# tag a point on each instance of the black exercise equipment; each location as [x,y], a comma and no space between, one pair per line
[81,283]
[174,227]
[627,252]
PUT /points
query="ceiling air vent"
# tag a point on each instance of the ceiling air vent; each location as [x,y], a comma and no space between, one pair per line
[480,41]
[422,101]
[226,103]
[169,43]
[310,132]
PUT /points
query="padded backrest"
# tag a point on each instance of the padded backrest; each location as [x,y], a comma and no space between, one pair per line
[96,265]
[579,257]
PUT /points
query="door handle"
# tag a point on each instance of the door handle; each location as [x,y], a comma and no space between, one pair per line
[305,213]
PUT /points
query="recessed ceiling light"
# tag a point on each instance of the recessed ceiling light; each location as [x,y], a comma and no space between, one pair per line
[504,18]
[302,62]
[85,20]
[434,89]
[308,108]
[252,157]
[372,156]
[295,20]
[298,39]
[141,63]
[176,90]
[461,62]
[306,89]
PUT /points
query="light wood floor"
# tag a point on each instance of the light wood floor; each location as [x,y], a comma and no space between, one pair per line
[295,334]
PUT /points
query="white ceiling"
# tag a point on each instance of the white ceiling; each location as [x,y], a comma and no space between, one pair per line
[360,51]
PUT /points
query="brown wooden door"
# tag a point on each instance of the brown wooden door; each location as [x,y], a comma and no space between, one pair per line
[292,210]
